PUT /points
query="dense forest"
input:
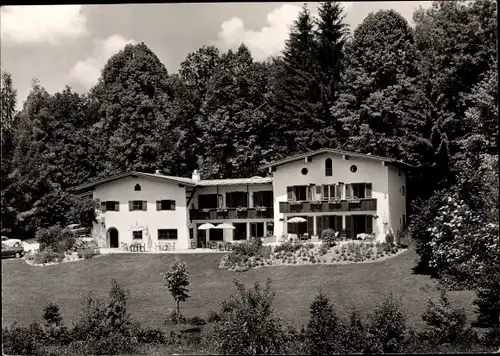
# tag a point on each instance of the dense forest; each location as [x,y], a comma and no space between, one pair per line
[425,94]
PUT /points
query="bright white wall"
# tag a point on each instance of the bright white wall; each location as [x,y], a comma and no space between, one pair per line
[369,171]
[151,190]
[397,202]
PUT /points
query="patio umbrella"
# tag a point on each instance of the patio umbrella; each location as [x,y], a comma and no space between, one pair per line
[137,227]
[297,220]
[207,226]
[150,241]
[225,226]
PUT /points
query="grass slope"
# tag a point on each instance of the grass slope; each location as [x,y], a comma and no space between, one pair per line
[26,289]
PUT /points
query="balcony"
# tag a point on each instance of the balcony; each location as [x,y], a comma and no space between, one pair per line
[328,206]
[231,213]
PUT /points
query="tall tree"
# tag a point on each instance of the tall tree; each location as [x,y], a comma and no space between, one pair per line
[132,94]
[381,101]
[331,34]
[295,96]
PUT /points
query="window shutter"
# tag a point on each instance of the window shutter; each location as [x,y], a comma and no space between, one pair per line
[369,224]
[325,192]
[144,205]
[338,222]
[130,205]
[103,206]
[229,200]
[117,206]
[368,190]
[220,201]
[348,226]
[289,193]
[310,225]
[158,205]
[309,193]
[172,205]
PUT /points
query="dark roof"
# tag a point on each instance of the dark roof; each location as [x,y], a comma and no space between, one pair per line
[234,181]
[335,151]
[179,180]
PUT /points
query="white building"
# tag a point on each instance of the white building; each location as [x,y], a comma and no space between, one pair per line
[348,192]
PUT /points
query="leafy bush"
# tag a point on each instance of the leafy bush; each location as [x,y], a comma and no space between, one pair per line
[47,256]
[20,340]
[286,246]
[322,332]
[151,336]
[55,332]
[387,327]
[56,238]
[88,253]
[196,320]
[256,241]
[491,338]
[213,316]
[248,324]
[389,238]
[445,323]
[172,318]
[488,306]
[328,236]
[245,248]
[355,334]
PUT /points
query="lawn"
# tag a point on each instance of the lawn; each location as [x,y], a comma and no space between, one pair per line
[26,289]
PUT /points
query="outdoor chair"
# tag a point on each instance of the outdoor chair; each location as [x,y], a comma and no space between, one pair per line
[229,246]
[157,246]
[142,248]
[193,245]
[172,246]
[124,246]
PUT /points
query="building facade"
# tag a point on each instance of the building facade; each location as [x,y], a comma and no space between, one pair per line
[348,192]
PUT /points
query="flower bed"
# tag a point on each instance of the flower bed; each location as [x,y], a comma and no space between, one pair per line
[50,258]
[252,256]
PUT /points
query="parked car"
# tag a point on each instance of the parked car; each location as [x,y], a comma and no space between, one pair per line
[10,242]
[12,251]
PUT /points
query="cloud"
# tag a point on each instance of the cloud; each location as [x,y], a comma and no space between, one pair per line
[87,72]
[41,24]
[269,40]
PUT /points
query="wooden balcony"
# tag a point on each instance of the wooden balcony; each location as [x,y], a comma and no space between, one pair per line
[231,214]
[326,206]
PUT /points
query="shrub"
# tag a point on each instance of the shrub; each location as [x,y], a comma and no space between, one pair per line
[310,245]
[213,316]
[56,238]
[55,331]
[355,333]
[196,320]
[445,323]
[286,246]
[20,340]
[387,327]
[248,324]
[151,336]
[266,251]
[88,253]
[328,237]
[491,338]
[322,332]
[245,248]
[256,241]
[487,306]
[389,239]
[323,250]
[172,318]
[47,256]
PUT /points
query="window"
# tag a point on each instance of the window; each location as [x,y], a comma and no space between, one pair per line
[137,235]
[353,168]
[332,191]
[236,199]
[328,167]
[297,192]
[167,234]
[207,201]
[137,205]
[304,171]
[137,188]
[359,190]
[240,231]
[403,190]
[263,198]
[110,206]
[165,205]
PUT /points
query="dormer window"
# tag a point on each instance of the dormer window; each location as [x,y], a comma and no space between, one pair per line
[137,188]
[328,167]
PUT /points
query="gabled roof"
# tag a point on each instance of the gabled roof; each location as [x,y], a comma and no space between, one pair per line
[334,151]
[236,181]
[171,179]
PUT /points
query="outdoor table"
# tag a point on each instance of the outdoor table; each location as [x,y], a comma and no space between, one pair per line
[134,247]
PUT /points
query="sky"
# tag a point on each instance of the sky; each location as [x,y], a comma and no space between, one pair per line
[69,44]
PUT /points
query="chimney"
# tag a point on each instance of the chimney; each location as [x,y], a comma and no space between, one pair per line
[157,171]
[195,176]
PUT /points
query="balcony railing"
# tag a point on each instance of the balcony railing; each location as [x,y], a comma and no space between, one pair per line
[328,206]
[231,213]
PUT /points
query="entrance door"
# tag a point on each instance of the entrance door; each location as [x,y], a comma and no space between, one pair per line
[113,237]
[257,229]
